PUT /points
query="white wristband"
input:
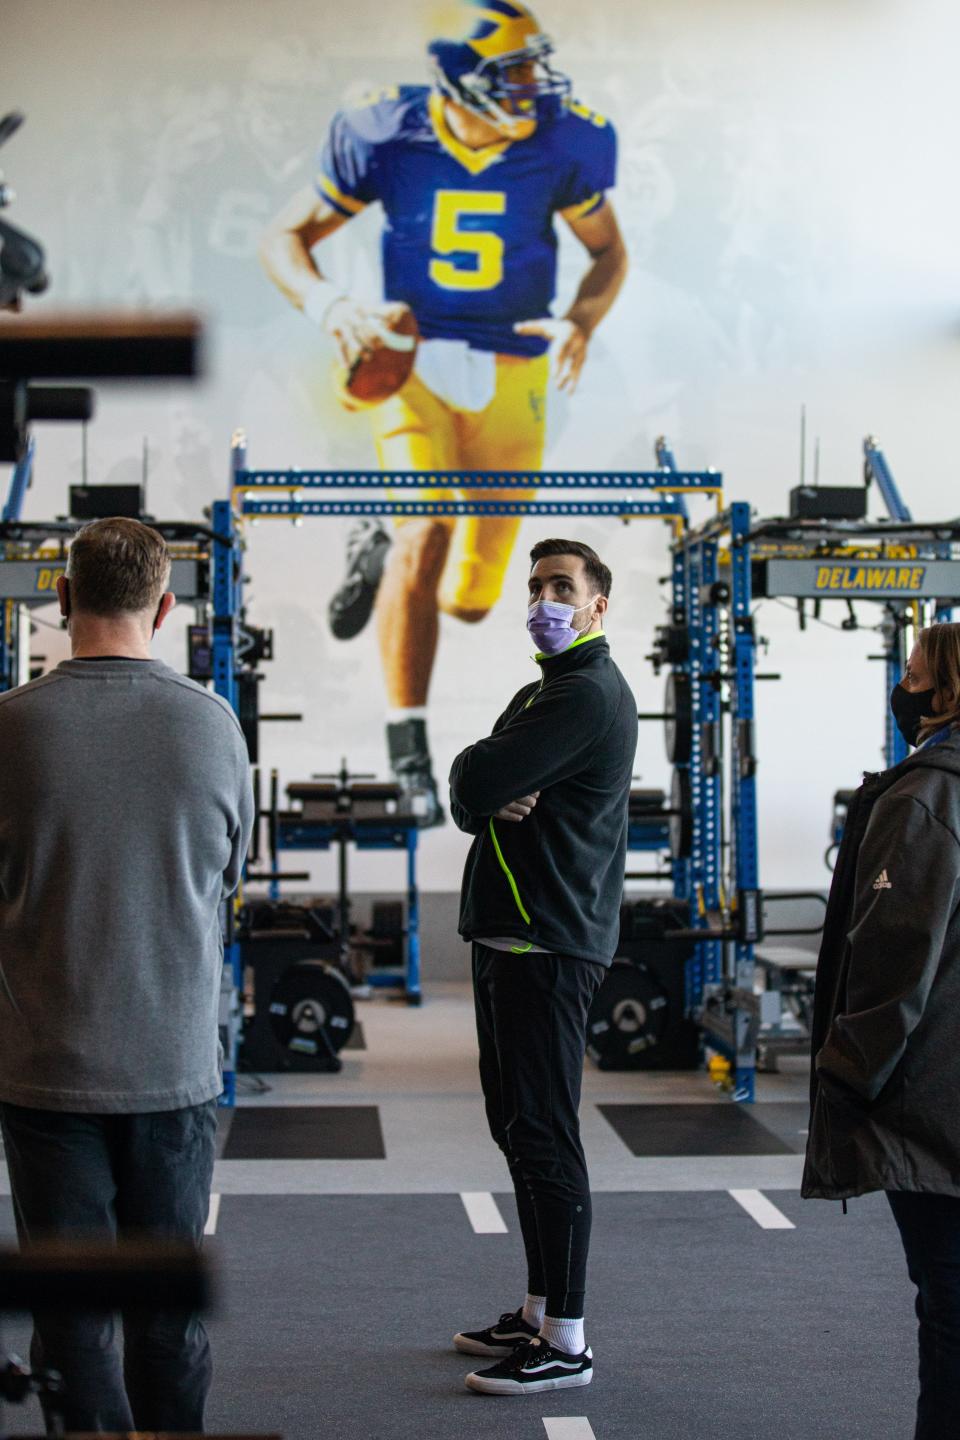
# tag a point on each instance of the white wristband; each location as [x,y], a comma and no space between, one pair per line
[319,299]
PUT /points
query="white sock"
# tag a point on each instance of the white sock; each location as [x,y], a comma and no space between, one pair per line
[533,1310]
[564,1334]
[396,714]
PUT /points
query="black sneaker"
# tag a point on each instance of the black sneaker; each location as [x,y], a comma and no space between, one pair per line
[503,1338]
[533,1367]
[352,605]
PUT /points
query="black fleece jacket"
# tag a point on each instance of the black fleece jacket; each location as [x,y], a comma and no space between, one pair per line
[886,1026]
[554,880]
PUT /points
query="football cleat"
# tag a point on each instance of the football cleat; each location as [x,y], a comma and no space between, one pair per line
[479,70]
[352,605]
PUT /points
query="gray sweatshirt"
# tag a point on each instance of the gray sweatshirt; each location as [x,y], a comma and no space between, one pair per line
[125,815]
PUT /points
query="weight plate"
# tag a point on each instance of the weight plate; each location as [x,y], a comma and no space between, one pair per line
[628,1018]
[678,725]
[387,934]
[681,821]
[311,1010]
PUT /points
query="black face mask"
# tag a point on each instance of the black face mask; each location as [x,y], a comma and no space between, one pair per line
[909,708]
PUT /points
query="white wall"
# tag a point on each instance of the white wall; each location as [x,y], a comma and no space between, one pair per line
[787,189]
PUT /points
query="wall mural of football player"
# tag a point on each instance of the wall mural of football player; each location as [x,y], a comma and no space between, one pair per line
[470,173]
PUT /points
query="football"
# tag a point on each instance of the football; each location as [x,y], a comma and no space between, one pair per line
[377,374]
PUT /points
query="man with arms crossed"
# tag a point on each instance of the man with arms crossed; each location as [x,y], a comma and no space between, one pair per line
[125,814]
[546,796]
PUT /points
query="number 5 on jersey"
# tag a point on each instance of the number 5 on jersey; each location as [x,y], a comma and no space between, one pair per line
[479,262]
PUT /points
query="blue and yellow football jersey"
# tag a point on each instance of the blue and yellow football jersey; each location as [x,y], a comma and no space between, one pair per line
[469,240]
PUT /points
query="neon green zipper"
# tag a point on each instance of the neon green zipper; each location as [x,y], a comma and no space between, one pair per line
[506,870]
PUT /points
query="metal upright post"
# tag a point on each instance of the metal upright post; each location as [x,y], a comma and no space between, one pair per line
[699,974]
[8,649]
[10,625]
[876,468]
[227,589]
[709,797]
[682,869]
[19,483]
[667,461]
[743,792]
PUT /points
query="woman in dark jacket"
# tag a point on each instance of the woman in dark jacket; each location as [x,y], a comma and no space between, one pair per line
[885,1090]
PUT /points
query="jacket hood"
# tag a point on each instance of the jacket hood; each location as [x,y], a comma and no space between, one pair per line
[944,756]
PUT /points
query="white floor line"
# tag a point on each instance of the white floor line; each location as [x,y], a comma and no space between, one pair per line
[211,1226]
[574,1427]
[482,1211]
[759,1208]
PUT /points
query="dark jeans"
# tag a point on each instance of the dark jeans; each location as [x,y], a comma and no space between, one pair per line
[104,1176]
[930,1230]
[532,1026]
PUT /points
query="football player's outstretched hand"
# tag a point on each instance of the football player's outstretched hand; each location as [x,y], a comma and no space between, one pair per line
[568,347]
[356,329]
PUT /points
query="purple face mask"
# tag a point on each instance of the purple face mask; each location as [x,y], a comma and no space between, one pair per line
[549,624]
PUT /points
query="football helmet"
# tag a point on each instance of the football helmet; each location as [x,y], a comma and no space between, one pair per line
[474,69]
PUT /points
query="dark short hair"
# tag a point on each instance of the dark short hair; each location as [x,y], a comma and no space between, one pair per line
[593,566]
[117,567]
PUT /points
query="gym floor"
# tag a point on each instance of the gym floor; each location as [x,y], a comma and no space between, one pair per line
[360,1219]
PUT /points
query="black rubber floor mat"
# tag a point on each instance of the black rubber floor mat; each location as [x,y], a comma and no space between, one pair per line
[305,1132]
[787,1119]
[666,1130]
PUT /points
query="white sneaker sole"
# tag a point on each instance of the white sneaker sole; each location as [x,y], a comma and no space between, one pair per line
[530,1387]
[466,1346]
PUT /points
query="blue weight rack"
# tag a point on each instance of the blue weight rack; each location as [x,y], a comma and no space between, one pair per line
[717,876]
[294,494]
[714,567]
[226,596]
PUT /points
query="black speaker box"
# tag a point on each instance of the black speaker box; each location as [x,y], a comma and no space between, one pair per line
[637,1020]
[103,502]
[303,1012]
[828,502]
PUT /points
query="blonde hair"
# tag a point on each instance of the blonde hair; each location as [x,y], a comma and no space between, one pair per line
[117,567]
[940,647]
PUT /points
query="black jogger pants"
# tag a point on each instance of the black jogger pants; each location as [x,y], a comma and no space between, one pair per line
[532,1024]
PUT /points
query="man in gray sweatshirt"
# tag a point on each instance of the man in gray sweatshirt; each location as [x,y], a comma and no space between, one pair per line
[125,815]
